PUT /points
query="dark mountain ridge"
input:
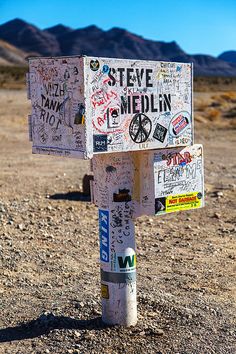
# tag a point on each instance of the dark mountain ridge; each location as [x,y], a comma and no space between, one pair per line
[116,42]
[229,56]
[29,38]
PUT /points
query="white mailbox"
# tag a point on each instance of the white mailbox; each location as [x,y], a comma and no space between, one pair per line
[134,119]
[82,106]
[151,182]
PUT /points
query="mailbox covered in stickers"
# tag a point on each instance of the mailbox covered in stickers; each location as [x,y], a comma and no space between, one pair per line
[83,106]
[153,182]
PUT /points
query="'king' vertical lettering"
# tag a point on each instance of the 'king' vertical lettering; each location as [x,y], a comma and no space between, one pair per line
[104,235]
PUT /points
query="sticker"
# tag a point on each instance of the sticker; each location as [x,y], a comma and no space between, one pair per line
[104,235]
[124,261]
[179,123]
[160,133]
[79,117]
[105,291]
[178,202]
[105,69]
[122,196]
[99,143]
[94,65]
[113,117]
[160,204]
[140,128]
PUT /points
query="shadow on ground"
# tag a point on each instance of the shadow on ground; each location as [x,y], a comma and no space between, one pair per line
[46,323]
[77,196]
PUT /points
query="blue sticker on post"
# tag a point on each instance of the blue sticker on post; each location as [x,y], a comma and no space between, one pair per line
[104,235]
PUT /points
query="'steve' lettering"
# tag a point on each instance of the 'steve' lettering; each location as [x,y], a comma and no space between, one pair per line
[130,77]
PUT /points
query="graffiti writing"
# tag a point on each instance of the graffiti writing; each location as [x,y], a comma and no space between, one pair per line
[54,89]
[176,158]
[129,76]
[100,97]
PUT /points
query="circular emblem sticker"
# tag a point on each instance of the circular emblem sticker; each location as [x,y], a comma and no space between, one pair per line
[105,69]
[140,128]
[94,65]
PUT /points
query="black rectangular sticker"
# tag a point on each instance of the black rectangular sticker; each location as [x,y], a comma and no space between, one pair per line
[99,143]
[160,133]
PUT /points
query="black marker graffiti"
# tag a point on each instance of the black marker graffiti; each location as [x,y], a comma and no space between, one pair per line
[51,104]
[54,89]
[75,70]
[164,102]
[43,136]
[145,103]
[138,104]
[47,117]
[127,77]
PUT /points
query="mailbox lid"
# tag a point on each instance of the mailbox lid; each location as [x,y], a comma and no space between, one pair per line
[56,90]
[137,105]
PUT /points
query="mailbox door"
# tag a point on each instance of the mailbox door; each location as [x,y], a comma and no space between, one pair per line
[172,180]
[137,105]
[152,182]
[56,90]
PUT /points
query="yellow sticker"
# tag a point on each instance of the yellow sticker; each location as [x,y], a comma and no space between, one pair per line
[105,291]
[183,201]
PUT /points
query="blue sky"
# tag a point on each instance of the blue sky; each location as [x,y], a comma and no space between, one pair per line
[202,26]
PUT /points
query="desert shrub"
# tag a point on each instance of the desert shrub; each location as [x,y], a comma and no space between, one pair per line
[213,114]
[12,76]
[231,113]
[199,118]
[229,96]
[200,105]
[233,123]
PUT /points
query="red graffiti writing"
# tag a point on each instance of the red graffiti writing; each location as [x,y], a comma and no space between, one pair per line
[178,159]
[47,73]
[100,97]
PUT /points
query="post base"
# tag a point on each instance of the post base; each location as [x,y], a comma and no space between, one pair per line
[121,306]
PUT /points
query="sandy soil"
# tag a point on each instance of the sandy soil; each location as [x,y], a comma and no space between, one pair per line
[49,268]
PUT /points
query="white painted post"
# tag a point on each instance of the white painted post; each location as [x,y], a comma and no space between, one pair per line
[114,190]
[118,287]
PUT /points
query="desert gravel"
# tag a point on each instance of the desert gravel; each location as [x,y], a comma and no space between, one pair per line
[49,256]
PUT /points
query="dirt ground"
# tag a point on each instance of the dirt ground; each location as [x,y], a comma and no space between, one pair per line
[49,251]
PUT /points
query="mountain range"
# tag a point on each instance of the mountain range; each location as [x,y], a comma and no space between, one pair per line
[19,40]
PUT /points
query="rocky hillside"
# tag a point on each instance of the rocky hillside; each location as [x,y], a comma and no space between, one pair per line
[10,55]
[116,42]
